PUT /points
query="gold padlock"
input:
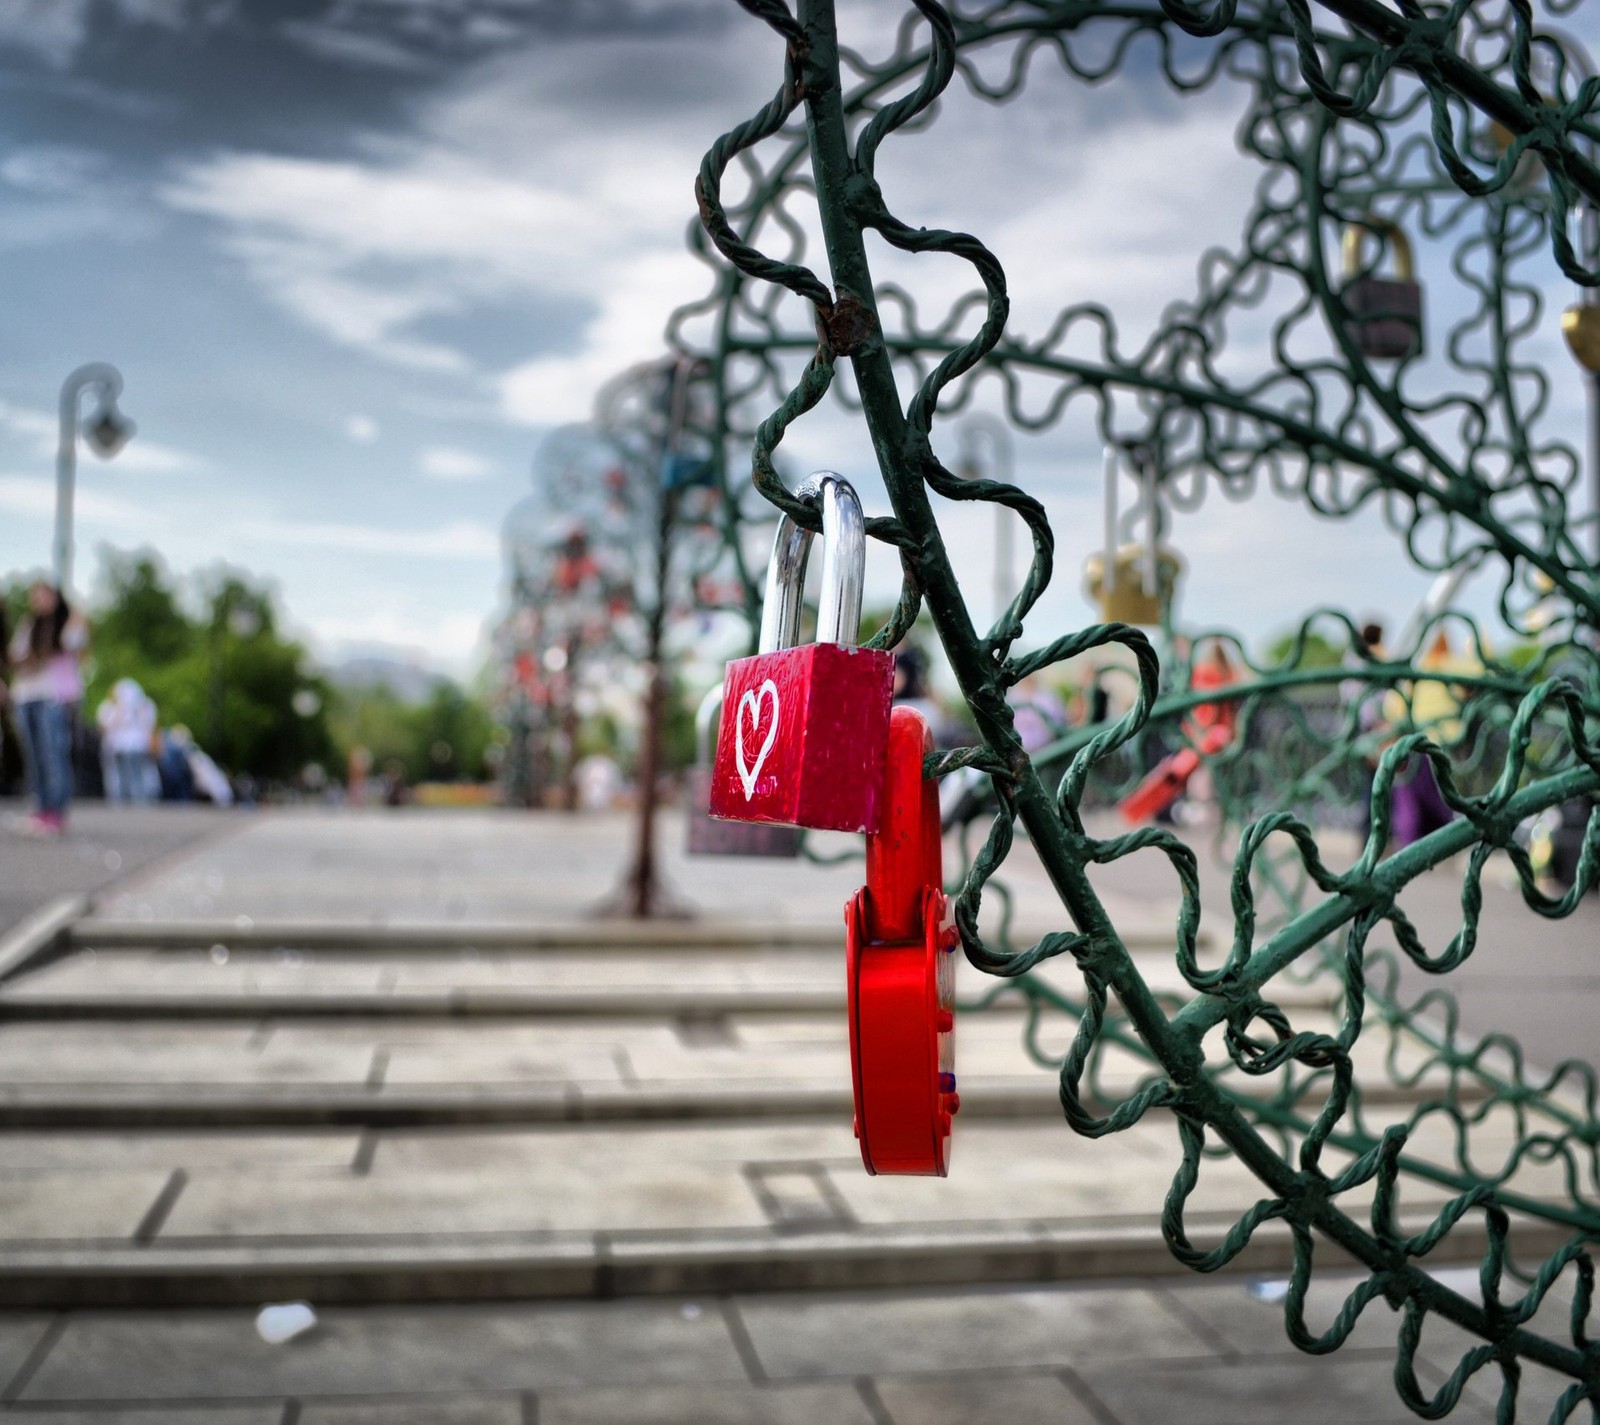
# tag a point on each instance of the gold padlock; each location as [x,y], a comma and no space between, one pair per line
[1128,600]
[1580,324]
[1385,312]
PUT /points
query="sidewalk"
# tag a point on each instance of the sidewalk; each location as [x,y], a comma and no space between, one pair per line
[1208,1353]
[105,845]
[298,871]
[387,1060]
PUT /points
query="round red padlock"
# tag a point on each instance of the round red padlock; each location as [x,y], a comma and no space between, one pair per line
[900,964]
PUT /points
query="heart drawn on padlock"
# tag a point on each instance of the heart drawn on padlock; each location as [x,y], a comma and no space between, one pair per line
[752,700]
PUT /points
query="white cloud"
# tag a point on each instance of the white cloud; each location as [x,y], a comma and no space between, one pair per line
[464,539]
[454,640]
[551,390]
[51,29]
[469,213]
[41,431]
[361,252]
[445,462]
[363,430]
[52,170]
[31,495]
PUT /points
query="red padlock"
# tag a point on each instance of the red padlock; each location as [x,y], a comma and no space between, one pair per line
[804,729]
[900,963]
[1168,778]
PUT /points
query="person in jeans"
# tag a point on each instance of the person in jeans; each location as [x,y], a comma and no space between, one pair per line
[127,722]
[45,655]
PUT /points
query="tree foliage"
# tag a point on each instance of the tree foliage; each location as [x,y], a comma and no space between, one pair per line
[445,738]
[250,696]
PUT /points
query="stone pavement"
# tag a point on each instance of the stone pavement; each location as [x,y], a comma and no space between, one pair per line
[386,1060]
[106,844]
[1208,1353]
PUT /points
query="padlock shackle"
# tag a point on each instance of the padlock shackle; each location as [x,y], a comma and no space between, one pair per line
[905,857]
[844,562]
[704,716]
[1389,234]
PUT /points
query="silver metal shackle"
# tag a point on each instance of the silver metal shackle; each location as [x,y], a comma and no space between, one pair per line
[704,716]
[844,563]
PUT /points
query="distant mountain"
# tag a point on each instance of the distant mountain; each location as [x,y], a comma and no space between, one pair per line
[409,682]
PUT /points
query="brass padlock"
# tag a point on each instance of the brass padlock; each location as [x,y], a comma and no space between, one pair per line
[1131,598]
[1385,320]
[1580,324]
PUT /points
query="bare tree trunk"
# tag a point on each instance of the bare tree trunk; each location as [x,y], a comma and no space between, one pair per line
[643,893]
[642,878]
[569,729]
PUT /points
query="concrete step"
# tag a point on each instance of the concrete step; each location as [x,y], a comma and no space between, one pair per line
[382,1071]
[627,936]
[119,1220]
[217,983]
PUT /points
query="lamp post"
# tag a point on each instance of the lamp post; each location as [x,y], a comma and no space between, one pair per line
[107,431]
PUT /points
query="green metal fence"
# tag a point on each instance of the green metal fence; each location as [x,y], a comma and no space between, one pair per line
[1471,128]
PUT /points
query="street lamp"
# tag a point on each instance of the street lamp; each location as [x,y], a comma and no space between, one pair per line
[106,431]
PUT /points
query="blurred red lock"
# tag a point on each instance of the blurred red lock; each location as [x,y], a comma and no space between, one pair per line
[900,969]
[1169,778]
[804,729]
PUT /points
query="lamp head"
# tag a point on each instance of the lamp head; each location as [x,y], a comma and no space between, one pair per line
[108,431]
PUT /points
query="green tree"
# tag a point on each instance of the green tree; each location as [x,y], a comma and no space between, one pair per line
[139,614]
[1319,652]
[444,738]
[251,697]
[451,732]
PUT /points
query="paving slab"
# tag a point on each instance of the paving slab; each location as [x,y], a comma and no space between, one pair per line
[105,845]
[769,1403]
[70,1207]
[982,1399]
[1247,1316]
[119,1062]
[428,868]
[1261,1391]
[177,1412]
[128,1357]
[563,1197]
[837,1335]
[416,1410]
[20,1332]
[28,1154]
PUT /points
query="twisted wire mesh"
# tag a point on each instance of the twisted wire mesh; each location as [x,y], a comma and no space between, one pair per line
[1353,109]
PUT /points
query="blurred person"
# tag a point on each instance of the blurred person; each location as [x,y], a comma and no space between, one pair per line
[394,783]
[172,766]
[357,773]
[911,681]
[11,771]
[127,720]
[1418,806]
[1098,696]
[1214,670]
[1367,700]
[1038,713]
[599,782]
[45,656]
[209,780]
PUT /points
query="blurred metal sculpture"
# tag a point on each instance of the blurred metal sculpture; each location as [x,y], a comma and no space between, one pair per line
[605,559]
[1471,127]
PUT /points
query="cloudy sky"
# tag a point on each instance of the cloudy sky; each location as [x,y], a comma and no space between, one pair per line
[354,258]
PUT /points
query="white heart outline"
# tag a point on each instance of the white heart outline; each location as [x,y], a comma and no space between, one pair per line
[752,698]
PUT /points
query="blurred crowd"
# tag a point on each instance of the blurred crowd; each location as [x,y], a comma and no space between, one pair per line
[122,753]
